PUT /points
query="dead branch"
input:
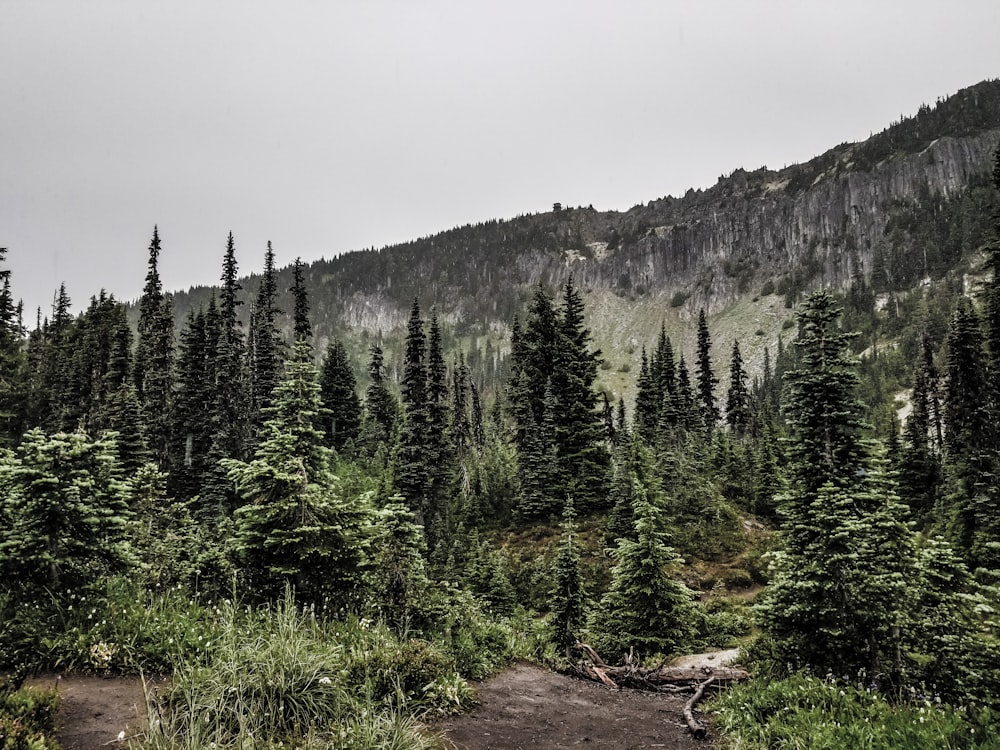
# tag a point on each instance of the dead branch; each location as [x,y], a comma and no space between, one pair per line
[697,728]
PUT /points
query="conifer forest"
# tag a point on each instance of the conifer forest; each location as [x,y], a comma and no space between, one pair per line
[322,544]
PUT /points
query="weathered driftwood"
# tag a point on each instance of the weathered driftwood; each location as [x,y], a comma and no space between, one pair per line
[660,678]
[696,727]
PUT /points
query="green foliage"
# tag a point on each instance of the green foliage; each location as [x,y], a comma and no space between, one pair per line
[281,676]
[295,527]
[338,393]
[27,718]
[66,511]
[811,713]
[646,609]
[569,597]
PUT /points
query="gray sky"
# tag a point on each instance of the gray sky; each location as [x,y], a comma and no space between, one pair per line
[328,126]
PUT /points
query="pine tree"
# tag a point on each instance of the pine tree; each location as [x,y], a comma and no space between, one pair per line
[231,407]
[568,597]
[381,408]
[154,356]
[302,327]
[12,387]
[294,526]
[67,511]
[439,455]
[411,477]
[970,443]
[822,408]
[919,464]
[581,447]
[838,599]
[193,418]
[537,463]
[338,393]
[738,413]
[706,378]
[646,610]
[400,577]
[265,353]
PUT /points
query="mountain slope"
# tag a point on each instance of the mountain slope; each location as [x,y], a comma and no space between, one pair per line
[852,212]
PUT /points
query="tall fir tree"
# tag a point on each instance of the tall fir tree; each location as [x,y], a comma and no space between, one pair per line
[411,476]
[738,411]
[338,393]
[301,325]
[568,599]
[154,356]
[12,387]
[231,403]
[381,413]
[295,527]
[839,597]
[584,461]
[706,378]
[970,443]
[646,609]
[439,454]
[265,356]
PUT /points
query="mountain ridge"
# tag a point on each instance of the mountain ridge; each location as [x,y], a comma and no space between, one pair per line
[824,222]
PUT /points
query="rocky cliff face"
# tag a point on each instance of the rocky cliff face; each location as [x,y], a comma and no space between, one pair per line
[749,228]
[818,223]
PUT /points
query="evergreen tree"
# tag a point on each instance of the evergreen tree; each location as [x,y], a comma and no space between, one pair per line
[706,378]
[231,412]
[970,442]
[338,393]
[839,597]
[411,477]
[302,327]
[67,513]
[919,464]
[568,597]
[738,412]
[381,408]
[537,463]
[12,372]
[646,609]
[154,356]
[648,401]
[193,418]
[438,455]
[581,448]
[822,408]
[295,527]
[400,577]
[265,352]
[125,420]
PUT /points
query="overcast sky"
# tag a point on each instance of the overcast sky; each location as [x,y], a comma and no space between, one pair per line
[329,126]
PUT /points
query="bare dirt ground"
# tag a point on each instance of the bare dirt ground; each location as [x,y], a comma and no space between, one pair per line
[525,707]
[96,709]
[528,707]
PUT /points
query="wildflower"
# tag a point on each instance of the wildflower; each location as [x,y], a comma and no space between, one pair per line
[324,680]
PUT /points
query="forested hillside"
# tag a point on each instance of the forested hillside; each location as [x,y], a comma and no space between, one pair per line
[325,497]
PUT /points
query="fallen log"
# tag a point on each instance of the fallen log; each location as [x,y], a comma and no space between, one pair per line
[660,678]
[696,727]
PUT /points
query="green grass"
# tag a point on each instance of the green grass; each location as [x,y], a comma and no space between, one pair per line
[808,713]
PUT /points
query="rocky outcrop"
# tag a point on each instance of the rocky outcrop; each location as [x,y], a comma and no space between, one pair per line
[750,227]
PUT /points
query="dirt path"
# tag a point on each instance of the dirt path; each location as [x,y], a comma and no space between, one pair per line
[96,709]
[527,707]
